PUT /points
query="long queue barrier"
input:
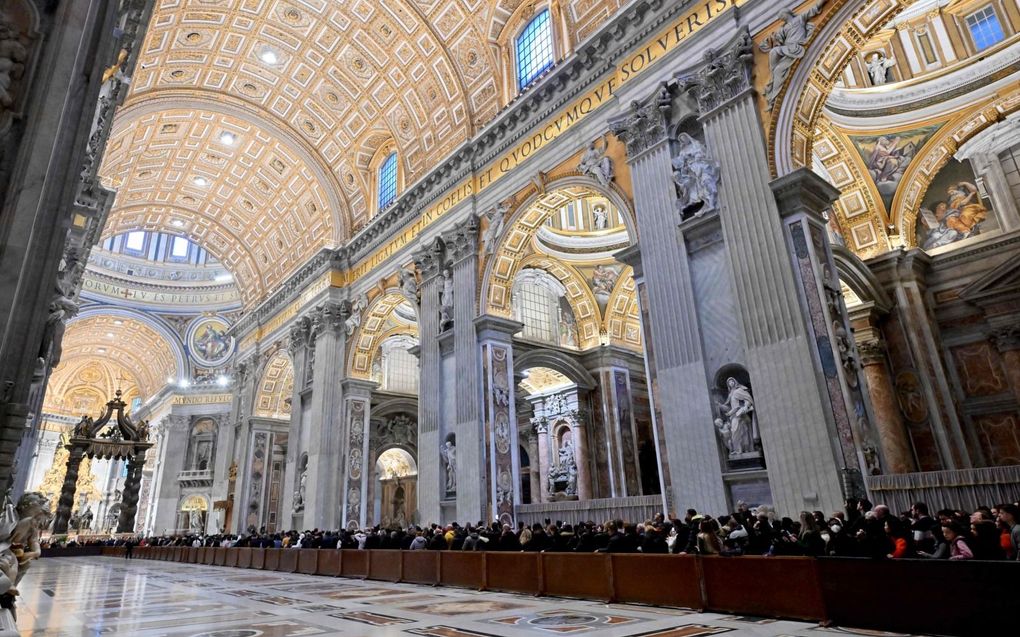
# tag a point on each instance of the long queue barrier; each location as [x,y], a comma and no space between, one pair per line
[909,596]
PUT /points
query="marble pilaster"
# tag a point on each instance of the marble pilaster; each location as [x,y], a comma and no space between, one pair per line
[357,468]
[678,382]
[534,468]
[462,251]
[322,494]
[431,482]
[1007,340]
[495,342]
[542,458]
[300,347]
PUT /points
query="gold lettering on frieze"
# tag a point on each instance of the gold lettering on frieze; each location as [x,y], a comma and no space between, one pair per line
[161,298]
[205,399]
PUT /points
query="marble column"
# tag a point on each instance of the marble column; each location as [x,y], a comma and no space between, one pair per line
[679,388]
[357,469]
[65,504]
[431,481]
[462,252]
[172,453]
[582,457]
[495,338]
[322,487]
[245,379]
[542,459]
[894,442]
[534,468]
[300,347]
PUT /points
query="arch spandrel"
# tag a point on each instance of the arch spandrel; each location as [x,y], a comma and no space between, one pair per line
[375,326]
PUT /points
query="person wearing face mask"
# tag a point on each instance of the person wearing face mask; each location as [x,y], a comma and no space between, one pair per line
[840,543]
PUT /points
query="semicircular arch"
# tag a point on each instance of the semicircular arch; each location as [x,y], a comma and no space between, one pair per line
[373,329]
[556,361]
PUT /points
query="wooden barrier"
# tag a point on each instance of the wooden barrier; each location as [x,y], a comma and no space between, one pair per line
[585,575]
[385,566]
[921,596]
[462,569]
[308,561]
[420,567]
[329,562]
[763,586]
[514,572]
[272,562]
[663,580]
[354,564]
[288,560]
[909,596]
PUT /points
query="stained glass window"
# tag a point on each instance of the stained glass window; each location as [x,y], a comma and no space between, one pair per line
[534,49]
[388,181]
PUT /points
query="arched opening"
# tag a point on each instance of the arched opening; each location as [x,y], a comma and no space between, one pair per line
[396,496]
[192,515]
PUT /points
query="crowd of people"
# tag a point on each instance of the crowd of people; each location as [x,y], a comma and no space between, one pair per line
[862,530]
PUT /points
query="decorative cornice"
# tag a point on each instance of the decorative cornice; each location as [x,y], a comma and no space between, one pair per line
[329,317]
[430,259]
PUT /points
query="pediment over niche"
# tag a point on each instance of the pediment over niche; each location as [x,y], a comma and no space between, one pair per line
[998,289]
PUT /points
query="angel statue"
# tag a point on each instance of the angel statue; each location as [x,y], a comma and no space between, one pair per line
[409,284]
[595,163]
[786,46]
[496,218]
[358,307]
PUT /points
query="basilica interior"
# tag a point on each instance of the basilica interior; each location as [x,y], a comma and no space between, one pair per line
[344,265]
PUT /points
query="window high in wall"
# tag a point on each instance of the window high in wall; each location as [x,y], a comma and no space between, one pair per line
[985,28]
[534,48]
[387,185]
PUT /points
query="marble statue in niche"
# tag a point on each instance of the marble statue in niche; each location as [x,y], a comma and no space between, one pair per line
[736,422]
[449,455]
[563,476]
[595,163]
[786,46]
[358,308]
[497,219]
[878,68]
[299,493]
[696,176]
[446,301]
[601,216]
[195,521]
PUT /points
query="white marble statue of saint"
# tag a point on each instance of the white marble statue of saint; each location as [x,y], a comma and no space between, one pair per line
[696,176]
[299,493]
[446,301]
[409,284]
[358,308]
[786,46]
[878,68]
[195,522]
[595,164]
[738,412]
[601,217]
[449,454]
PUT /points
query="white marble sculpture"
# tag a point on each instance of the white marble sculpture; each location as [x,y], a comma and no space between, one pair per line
[696,176]
[19,538]
[736,426]
[449,454]
[358,308]
[13,56]
[299,493]
[601,217]
[496,218]
[878,68]
[786,46]
[446,301]
[595,163]
[409,284]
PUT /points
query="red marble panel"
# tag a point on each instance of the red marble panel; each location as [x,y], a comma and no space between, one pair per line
[979,369]
[1000,437]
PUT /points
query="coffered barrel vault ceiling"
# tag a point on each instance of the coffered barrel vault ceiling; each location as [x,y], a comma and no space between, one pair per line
[309,92]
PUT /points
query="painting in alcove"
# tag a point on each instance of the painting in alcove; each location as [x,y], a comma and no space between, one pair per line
[954,208]
[888,156]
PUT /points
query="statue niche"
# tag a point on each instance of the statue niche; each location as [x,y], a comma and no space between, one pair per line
[736,422]
[563,472]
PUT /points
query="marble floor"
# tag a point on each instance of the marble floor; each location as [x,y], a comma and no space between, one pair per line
[64,597]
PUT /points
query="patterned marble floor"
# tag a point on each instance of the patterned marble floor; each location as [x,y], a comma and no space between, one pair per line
[64,597]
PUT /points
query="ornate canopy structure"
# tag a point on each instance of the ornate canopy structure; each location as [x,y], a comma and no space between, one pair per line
[113,439]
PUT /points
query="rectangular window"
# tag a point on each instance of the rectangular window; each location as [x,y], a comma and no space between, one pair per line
[534,50]
[135,241]
[401,372]
[388,182]
[179,248]
[985,28]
